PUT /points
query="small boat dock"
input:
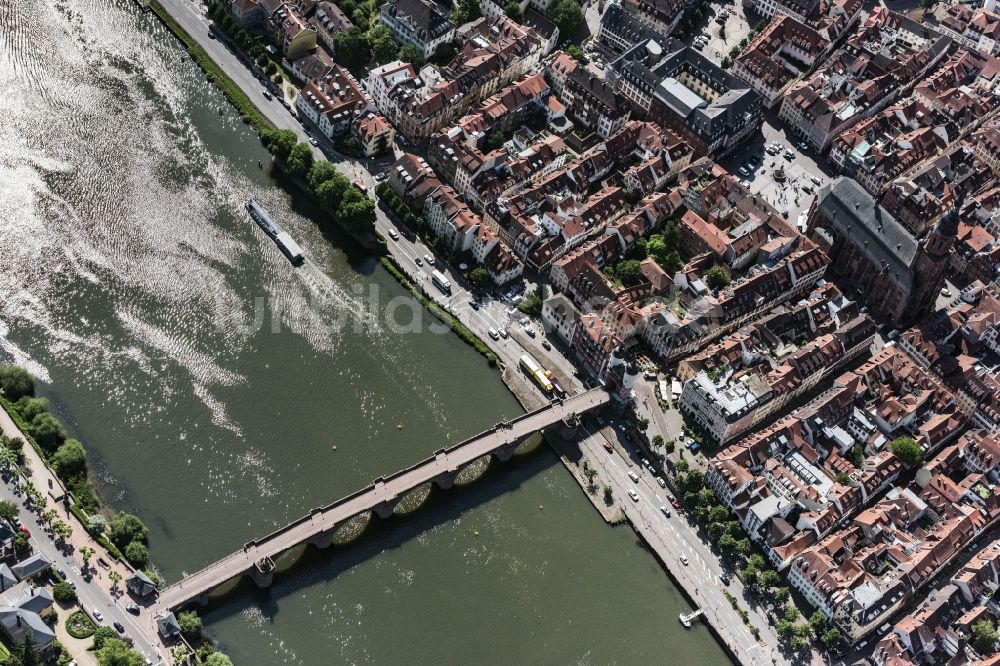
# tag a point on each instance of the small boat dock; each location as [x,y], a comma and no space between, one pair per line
[686,618]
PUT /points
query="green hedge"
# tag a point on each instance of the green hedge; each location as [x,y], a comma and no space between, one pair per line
[458,327]
[246,108]
[80,626]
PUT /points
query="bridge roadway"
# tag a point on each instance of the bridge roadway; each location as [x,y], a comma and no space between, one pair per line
[379,497]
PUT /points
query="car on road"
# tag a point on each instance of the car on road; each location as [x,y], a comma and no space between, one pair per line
[26,531]
[313,141]
[607,447]
[418,261]
[684,560]
[429,259]
[393,235]
[634,477]
[661,482]
[474,305]
[634,495]
[132,608]
[744,171]
[645,463]
[530,331]
[504,334]
[674,503]
[267,94]
[119,627]
[546,346]
[211,35]
[361,186]
[945,291]
[665,510]
[494,334]
[98,615]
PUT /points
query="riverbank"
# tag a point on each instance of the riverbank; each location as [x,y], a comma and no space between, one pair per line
[248,111]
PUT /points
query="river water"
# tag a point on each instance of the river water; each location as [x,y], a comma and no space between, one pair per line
[222,393]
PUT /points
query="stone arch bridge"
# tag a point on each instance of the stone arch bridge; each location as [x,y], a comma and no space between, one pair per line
[382,497]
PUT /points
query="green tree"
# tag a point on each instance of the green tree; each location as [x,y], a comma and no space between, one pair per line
[320,172]
[70,460]
[817,622]
[8,510]
[217,659]
[830,638]
[48,432]
[331,192]
[717,277]
[300,160]
[21,544]
[568,16]
[513,11]
[86,552]
[270,69]
[716,531]
[413,55]
[280,143]
[727,62]
[575,52]
[907,450]
[857,456]
[468,10]
[727,544]
[682,466]
[115,578]
[190,625]
[479,277]
[384,48]
[351,48]
[63,592]
[126,528]
[790,612]
[785,628]
[984,637]
[751,576]
[29,407]
[799,644]
[769,578]
[782,595]
[27,652]
[16,382]
[842,478]
[669,447]
[356,211]
[629,272]
[608,493]
[115,652]
[136,553]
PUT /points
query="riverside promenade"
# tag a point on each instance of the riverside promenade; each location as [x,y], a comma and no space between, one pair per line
[319,527]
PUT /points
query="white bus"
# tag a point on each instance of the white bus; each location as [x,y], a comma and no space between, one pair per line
[441,281]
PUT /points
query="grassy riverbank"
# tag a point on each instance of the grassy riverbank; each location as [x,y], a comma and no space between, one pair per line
[239,99]
[66,459]
[460,329]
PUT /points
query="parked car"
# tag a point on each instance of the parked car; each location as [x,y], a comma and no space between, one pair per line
[97,615]
[267,94]
[665,510]
[504,334]
[684,560]
[132,608]
[546,346]
[634,495]
[361,186]
[429,259]
[661,482]
[119,627]
[634,477]
[674,503]
[313,141]
[393,235]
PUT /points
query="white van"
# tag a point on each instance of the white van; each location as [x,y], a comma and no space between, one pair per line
[634,477]
[493,334]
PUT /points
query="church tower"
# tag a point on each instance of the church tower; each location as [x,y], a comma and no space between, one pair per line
[931,263]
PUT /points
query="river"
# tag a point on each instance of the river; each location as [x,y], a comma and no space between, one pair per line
[221,393]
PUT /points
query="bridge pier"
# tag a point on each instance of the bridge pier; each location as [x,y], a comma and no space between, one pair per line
[445,481]
[504,453]
[387,508]
[262,572]
[322,540]
[568,427]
